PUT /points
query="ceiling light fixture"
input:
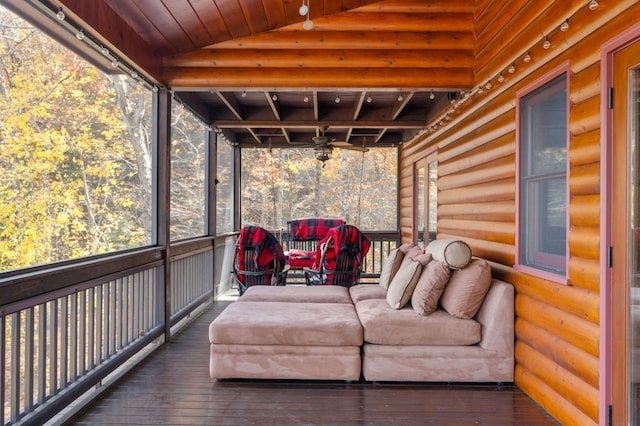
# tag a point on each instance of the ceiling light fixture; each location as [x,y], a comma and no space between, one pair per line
[565,26]
[337,99]
[527,57]
[593,5]
[547,43]
[512,68]
[60,15]
[274,97]
[80,35]
[304,9]
[305,99]
[501,78]
[400,98]
[432,96]
[244,94]
[369,99]
[323,154]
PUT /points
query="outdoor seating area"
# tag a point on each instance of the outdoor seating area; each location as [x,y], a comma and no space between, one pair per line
[436,315]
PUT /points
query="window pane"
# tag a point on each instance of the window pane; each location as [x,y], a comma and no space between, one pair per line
[188,161]
[420,198]
[224,188]
[543,201]
[433,200]
[282,184]
[75,152]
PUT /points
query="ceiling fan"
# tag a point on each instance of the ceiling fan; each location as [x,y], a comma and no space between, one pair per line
[323,146]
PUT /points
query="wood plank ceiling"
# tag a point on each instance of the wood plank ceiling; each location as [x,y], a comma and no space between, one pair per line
[365,72]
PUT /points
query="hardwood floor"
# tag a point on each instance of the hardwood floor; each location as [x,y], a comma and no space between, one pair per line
[173,387]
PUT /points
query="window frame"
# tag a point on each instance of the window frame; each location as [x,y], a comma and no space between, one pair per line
[423,228]
[543,258]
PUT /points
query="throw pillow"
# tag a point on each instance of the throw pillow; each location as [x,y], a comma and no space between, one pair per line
[466,289]
[402,285]
[411,254]
[390,267]
[456,253]
[429,288]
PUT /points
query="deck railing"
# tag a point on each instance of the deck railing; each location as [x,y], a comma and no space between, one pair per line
[73,327]
[69,329]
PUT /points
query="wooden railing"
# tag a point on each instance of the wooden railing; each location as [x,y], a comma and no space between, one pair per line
[69,329]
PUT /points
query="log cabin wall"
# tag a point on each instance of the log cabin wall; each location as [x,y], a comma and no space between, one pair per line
[557,326]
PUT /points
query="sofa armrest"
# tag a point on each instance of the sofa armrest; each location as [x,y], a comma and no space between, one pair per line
[497,317]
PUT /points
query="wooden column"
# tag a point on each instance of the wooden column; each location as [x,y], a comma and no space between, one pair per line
[163,205]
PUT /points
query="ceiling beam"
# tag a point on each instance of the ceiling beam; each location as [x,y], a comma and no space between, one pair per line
[322,58]
[401,78]
[226,124]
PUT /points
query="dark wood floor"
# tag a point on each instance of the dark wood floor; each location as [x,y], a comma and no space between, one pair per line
[173,387]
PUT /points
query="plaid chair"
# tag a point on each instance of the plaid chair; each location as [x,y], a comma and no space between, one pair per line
[339,257]
[259,259]
[304,235]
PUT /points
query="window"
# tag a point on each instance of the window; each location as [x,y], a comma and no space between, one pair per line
[543,178]
[426,196]
[75,153]
[282,184]
[224,187]
[188,173]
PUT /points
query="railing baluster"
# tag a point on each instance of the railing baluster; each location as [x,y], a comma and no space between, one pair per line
[73,337]
[14,378]
[3,363]
[27,362]
[64,343]
[42,353]
[91,324]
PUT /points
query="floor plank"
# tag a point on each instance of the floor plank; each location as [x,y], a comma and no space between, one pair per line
[173,387]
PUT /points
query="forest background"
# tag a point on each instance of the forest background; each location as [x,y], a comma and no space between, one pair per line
[76,163]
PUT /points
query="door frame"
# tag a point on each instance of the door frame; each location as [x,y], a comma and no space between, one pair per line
[607,52]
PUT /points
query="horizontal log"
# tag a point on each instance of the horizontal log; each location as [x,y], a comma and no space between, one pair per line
[585,180]
[585,116]
[584,210]
[585,84]
[579,393]
[480,126]
[584,273]
[585,148]
[495,22]
[551,401]
[576,331]
[500,211]
[501,232]
[500,147]
[321,58]
[577,362]
[585,241]
[390,21]
[414,6]
[501,190]
[206,78]
[500,168]
[366,39]
[576,301]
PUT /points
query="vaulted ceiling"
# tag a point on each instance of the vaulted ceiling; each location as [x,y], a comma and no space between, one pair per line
[369,72]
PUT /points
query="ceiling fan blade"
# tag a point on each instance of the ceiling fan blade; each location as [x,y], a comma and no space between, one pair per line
[347,145]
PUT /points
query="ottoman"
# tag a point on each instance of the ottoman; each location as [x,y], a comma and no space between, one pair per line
[284,340]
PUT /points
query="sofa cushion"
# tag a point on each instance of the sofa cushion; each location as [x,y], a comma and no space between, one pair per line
[466,289]
[403,283]
[384,325]
[390,266]
[284,323]
[367,291]
[429,288]
[297,294]
[456,253]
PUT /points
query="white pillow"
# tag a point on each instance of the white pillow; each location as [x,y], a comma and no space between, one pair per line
[403,283]
[455,253]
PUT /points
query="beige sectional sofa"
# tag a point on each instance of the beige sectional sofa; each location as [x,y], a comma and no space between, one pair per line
[335,333]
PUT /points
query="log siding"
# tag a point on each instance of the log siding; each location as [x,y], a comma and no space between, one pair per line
[557,326]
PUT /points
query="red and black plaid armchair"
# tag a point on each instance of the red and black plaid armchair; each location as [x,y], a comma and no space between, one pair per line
[339,257]
[259,259]
[304,236]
